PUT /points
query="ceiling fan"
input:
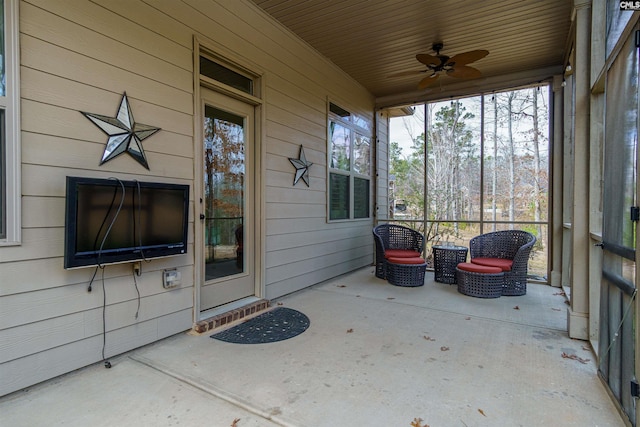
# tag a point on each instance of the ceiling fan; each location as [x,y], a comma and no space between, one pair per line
[454,66]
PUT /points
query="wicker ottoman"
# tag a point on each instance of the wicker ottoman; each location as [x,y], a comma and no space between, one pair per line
[406,271]
[395,253]
[479,280]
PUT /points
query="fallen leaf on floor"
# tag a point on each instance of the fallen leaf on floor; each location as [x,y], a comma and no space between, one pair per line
[482,412]
[467,318]
[556,309]
[390,298]
[516,308]
[417,422]
[585,348]
[235,422]
[561,293]
[349,330]
[280,303]
[428,338]
[574,357]
[342,286]
[444,348]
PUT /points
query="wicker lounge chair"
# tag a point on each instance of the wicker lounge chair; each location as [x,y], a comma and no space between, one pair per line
[395,241]
[508,250]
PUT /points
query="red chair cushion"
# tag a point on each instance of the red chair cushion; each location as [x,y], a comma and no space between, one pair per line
[401,253]
[402,260]
[477,268]
[503,264]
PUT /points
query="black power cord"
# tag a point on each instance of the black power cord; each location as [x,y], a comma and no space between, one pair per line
[92,278]
[107,364]
[135,283]
[115,217]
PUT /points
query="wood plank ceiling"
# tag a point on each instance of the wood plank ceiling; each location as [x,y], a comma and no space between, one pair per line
[372,40]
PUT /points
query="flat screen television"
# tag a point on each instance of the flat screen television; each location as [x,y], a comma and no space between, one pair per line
[111,221]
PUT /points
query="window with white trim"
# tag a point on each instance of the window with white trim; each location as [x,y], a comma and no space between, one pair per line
[9,124]
[349,184]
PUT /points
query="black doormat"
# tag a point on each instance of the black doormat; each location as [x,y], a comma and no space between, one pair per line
[279,324]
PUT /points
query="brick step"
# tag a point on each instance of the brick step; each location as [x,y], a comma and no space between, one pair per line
[223,320]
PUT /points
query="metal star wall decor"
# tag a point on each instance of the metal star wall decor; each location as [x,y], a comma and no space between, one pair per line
[302,167]
[125,135]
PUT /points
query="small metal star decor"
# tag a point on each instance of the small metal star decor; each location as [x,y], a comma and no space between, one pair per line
[302,167]
[125,135]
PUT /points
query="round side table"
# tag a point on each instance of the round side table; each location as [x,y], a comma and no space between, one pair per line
[445,261]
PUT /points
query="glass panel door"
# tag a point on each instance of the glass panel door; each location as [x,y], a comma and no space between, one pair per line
[226,219]
[224,147]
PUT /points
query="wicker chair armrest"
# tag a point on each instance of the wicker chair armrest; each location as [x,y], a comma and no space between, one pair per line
[521,258]
[419,241]
[475,245]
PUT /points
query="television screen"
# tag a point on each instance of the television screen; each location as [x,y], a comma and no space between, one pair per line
[109,221]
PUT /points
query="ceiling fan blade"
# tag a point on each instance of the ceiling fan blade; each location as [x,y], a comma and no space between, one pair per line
[407,73]
[468,57]
[464,72]
[428,81]
[428,60]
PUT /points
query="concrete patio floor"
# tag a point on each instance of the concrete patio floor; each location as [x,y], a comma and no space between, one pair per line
[374,355]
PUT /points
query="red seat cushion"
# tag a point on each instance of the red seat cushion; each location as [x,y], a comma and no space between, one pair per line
[504,264]
[477,268]
[401,253]
[403,260]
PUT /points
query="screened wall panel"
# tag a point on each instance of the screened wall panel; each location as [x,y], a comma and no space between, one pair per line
[617,338]
[474,165]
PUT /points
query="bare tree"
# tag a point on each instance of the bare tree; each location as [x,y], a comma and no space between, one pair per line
[536,161]
[224,179]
